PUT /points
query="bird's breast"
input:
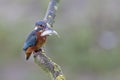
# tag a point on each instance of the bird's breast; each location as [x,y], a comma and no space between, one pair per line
[40,41]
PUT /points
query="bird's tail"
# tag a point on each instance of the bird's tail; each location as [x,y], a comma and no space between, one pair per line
[29,52]
[28,55]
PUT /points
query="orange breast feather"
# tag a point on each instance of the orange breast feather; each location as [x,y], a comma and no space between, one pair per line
[40,40]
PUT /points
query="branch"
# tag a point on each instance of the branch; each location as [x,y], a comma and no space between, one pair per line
[40,57]
[51,12]
[48,66]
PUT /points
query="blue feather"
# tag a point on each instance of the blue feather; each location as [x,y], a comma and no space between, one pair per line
[39,23]
[30,41]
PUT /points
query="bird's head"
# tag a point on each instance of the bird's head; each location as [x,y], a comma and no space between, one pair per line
[44,28]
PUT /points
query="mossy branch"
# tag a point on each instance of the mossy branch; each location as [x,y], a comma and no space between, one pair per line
[40,57]
[48,66]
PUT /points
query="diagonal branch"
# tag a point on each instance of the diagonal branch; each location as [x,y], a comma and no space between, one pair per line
[50,67]
[51,12]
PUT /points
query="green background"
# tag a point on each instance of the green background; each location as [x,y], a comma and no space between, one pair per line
[88,47]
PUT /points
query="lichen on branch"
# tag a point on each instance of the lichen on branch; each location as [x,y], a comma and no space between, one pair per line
[48,66]
[51,12]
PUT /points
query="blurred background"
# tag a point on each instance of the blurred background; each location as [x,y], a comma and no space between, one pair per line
[88,47]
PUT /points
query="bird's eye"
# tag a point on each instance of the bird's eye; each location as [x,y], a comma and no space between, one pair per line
[41,26]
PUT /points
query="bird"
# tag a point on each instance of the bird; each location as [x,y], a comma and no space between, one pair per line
[37,38]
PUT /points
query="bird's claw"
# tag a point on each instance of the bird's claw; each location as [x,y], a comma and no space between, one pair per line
[36,53]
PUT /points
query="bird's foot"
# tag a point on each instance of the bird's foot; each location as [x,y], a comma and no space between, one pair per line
[37,52]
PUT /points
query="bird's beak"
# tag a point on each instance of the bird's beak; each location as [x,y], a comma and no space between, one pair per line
[49,31]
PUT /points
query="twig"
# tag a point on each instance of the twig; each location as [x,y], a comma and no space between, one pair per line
[40,57]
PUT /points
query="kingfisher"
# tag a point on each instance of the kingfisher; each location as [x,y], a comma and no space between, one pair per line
[37,38]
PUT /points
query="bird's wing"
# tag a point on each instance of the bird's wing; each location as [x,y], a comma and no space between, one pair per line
[30,41]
